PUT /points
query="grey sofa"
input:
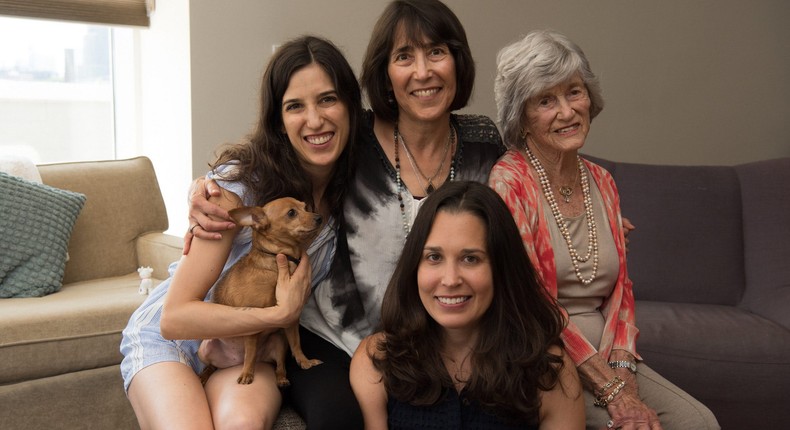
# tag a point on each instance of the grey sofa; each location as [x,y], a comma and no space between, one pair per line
[710,262]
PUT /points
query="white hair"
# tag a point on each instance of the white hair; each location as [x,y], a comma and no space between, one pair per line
[540,60]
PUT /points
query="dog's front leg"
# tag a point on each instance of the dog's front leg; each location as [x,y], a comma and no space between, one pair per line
[274,351]
[250,352]
[292,333]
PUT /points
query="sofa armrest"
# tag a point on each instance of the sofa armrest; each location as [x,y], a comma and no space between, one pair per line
[123,203]
[158,250]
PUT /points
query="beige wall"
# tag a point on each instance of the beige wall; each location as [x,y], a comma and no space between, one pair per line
[164,120]
[685,82]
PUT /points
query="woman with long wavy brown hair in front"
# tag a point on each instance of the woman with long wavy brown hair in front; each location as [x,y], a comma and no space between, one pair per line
[468,334]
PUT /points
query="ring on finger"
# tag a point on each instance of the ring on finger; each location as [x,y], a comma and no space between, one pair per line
[609,424]
[193,227]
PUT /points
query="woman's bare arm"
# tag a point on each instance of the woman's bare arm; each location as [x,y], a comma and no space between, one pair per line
[367,385]
[562,408]
[207,219]
[185,314]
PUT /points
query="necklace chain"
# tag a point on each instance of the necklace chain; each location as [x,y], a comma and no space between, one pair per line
[567,191]
[592,234]
[416,167]
[399,180]
[458,375]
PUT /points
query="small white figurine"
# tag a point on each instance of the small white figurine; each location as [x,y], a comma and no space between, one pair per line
[146,283]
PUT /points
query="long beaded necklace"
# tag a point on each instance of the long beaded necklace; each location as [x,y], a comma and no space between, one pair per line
[592,234]
[399,180]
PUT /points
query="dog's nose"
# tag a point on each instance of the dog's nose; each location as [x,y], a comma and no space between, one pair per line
[318,219]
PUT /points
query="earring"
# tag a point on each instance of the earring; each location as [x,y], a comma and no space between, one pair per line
[390,97]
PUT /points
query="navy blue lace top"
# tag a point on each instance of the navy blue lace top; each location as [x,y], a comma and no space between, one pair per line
[453,411]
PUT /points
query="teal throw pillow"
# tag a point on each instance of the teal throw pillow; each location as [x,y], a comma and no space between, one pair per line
[35,227]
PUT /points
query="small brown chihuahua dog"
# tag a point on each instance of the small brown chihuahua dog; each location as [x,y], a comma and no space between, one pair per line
[282,226]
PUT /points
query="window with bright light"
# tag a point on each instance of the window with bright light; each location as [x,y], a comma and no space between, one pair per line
[58,97]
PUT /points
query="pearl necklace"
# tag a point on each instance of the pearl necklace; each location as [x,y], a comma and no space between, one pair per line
[399,180]
[592,234]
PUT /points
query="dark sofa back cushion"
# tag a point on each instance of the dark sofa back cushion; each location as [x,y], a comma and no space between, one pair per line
[765,187]
[688,242]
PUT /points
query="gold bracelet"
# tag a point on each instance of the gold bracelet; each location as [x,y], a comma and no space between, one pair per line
[604,401]
[608,385]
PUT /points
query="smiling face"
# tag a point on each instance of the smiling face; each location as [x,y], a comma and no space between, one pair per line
[454,274]
[423,78]
[315,119]
[558,119]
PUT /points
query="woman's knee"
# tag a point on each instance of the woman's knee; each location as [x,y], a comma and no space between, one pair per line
[693,415]
[228,420]
[237,406]
[676,408]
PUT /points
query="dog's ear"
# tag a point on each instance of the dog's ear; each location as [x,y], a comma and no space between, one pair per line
[249,216]
[260,220]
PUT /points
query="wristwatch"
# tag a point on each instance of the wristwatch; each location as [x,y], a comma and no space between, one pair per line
[630,365]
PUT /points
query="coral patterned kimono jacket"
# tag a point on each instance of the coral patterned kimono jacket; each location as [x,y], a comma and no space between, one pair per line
[513,180]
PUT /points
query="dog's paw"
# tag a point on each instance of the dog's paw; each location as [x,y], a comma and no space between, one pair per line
[283,382]
[246,378]
[306,364]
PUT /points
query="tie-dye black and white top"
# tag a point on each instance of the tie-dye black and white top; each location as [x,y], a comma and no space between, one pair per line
[346,306]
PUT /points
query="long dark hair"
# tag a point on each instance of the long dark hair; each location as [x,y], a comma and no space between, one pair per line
[431,19]
[267,163]
[510,361]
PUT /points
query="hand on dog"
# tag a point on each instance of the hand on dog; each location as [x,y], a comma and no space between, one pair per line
[201,210]
[292,290]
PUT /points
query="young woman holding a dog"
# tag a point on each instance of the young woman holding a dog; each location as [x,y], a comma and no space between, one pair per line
[468,334]
[302,148]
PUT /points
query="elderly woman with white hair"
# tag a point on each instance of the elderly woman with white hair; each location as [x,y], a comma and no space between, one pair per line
[568,212]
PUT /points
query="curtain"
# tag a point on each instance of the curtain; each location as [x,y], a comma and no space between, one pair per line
[117,12]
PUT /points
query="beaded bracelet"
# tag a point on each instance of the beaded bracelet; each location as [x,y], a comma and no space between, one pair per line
[604,401]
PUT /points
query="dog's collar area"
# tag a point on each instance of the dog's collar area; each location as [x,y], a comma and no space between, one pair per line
[291,259]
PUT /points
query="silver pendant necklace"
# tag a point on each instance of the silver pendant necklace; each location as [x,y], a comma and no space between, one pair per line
[399,179]
[416,167]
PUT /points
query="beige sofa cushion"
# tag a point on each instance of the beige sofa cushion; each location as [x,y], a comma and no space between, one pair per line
[74,329]
[123,203]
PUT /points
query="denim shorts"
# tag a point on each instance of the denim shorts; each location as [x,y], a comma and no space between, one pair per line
[143,345]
